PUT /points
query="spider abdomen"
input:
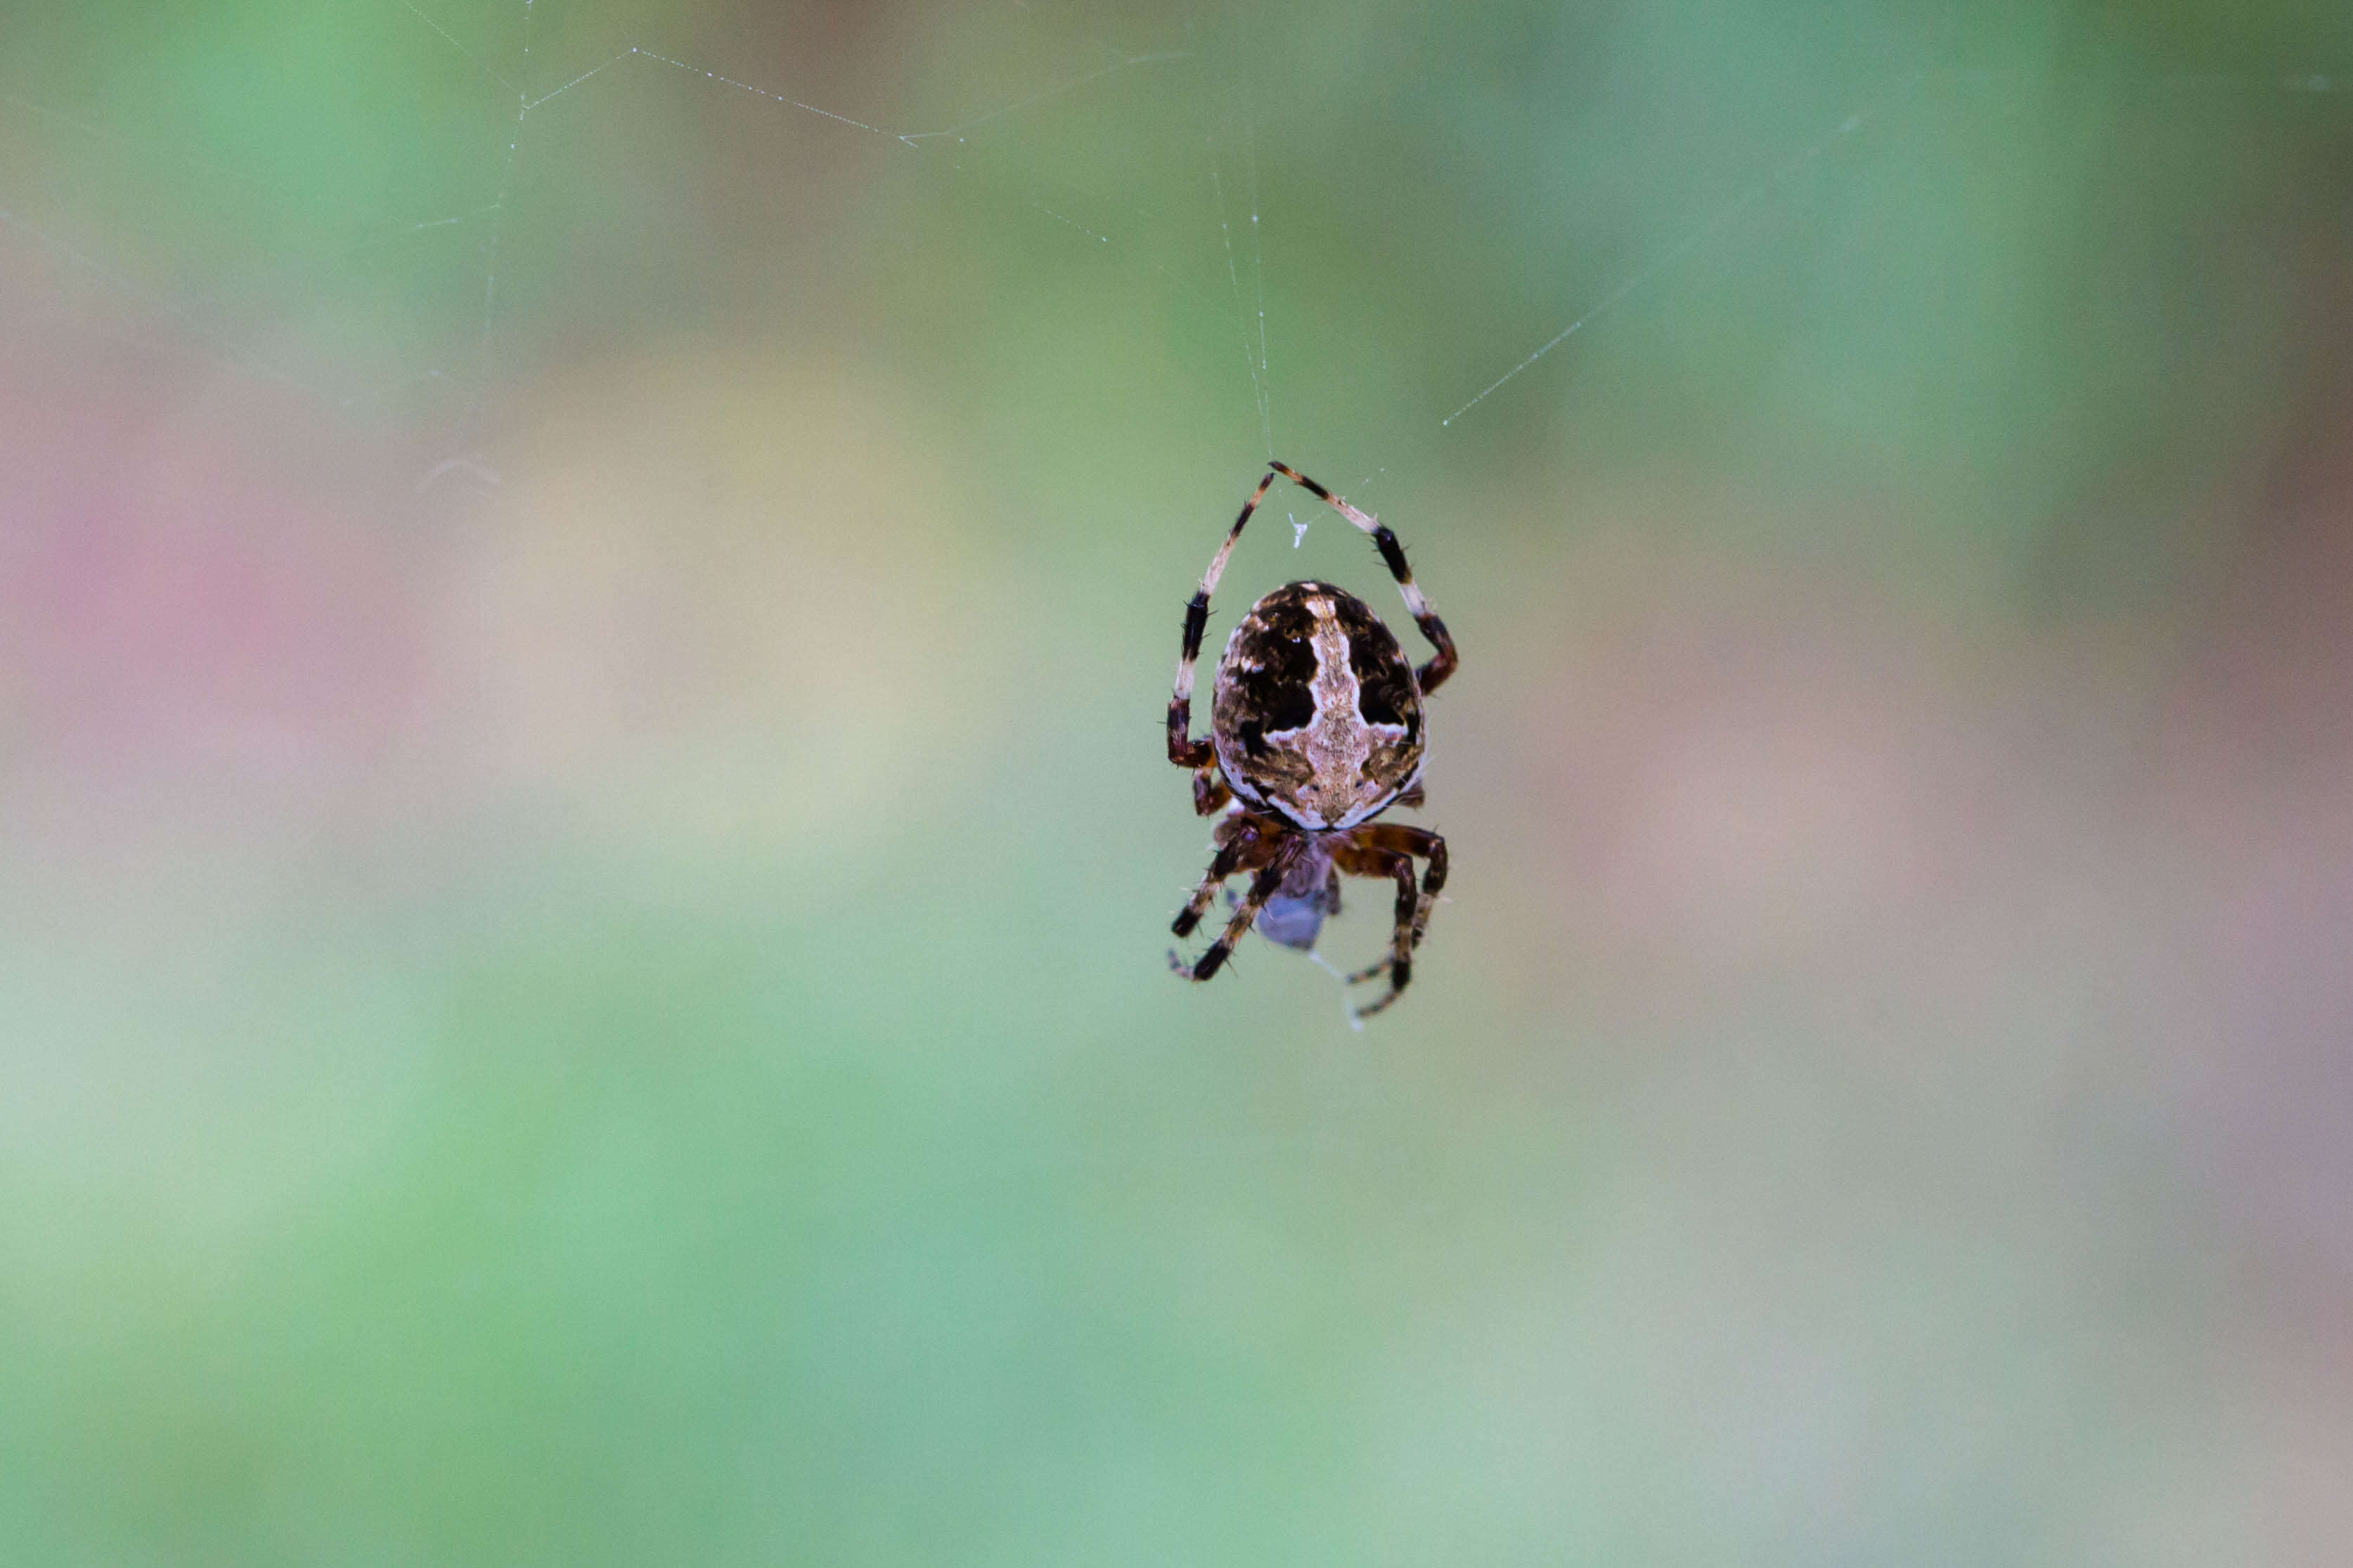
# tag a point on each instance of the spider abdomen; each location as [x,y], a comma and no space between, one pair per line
[1315,711]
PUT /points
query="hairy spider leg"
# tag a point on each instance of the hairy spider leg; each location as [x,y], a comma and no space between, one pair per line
[1430,676]
[1211,795]
[1362,860]
[1262,887]
[1182,749]
[1245,851]
[1399,838]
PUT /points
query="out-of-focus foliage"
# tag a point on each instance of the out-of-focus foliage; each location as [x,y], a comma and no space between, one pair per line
[584,854]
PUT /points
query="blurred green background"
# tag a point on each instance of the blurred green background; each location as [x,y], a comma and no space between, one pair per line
[587,591]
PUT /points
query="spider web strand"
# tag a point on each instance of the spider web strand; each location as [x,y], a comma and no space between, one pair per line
[1233,276]
[759,92]
[451,40]
[1677,252]
[576,81]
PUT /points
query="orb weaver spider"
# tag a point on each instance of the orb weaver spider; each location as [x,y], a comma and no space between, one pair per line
[1316,728]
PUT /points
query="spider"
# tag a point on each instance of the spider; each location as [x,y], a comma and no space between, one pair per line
[1315,729]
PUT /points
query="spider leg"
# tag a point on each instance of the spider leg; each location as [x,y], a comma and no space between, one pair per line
[1400,839]
[1211,795]
[1263,888]
[1430,676]
[1365,861]
[1182,749]
[1245,851]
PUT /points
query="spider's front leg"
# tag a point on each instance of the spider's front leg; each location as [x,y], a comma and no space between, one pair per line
[1421,844]
[1281,852]
[1241,846]
[1364,861]
[1389,850]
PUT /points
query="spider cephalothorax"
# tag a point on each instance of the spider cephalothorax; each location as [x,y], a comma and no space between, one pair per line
[1316,728]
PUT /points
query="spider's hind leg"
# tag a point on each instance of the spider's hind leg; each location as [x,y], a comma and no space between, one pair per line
[1182,749]
[1441,663]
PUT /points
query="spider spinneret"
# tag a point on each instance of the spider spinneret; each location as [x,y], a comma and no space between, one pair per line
[1316,728]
